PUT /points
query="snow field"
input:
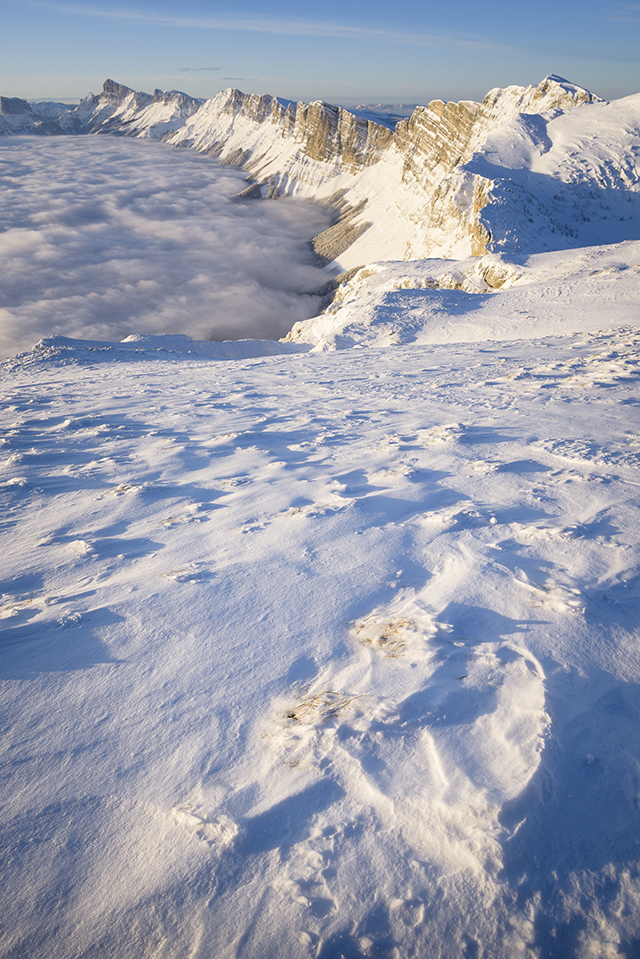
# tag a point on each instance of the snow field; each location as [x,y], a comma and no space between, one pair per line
[321,654]
[493,297]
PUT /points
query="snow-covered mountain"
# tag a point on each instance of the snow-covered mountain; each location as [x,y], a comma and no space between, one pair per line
[118,109]
[19,116]
[529,169]
[328,647]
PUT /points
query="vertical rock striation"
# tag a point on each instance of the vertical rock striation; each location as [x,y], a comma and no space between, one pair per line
[438,183]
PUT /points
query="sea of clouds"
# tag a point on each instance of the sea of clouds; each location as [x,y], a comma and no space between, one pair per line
[102,237]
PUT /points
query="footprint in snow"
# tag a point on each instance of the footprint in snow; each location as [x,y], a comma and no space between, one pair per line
[217,831]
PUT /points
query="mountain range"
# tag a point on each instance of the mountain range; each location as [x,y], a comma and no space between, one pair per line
[529,169]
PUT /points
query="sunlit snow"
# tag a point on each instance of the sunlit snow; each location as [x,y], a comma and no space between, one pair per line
[325,648]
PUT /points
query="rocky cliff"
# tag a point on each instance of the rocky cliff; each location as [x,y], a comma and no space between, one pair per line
[453,179]
[404,189]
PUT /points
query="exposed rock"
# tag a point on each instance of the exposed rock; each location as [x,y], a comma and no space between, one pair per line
[115,91]
[252,192]
[329,244]
[418,178]
[13,106]
[236,158]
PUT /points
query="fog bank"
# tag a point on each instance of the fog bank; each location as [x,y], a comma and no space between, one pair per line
[103,237]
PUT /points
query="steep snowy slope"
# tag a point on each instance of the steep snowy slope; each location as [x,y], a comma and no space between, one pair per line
[562,181]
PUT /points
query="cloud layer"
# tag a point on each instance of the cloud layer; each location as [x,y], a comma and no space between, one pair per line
[103,237]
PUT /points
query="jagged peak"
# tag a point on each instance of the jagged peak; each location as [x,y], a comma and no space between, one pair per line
[116,91]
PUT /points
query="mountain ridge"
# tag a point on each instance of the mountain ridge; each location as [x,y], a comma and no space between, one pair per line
[448,181]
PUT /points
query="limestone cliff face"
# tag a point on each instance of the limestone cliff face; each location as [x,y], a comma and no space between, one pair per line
[402,191]
[409,181]
[318,131]
[332,134]
[435,139]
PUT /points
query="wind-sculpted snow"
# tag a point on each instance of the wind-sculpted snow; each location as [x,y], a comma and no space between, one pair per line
[103,238]
[322,655]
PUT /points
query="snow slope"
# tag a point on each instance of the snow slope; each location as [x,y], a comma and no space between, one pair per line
[323,654]
[492,297]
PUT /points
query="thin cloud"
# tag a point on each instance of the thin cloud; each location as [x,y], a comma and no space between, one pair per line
[282,27]
[199,69]
[633,7]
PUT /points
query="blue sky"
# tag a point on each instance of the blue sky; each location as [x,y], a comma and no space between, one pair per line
[366,50]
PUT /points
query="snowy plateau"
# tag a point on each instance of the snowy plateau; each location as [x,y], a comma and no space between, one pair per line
[328,647]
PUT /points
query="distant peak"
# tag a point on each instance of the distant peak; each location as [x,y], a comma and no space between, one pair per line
[116,90]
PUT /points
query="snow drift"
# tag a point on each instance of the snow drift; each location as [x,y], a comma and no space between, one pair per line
[328,648]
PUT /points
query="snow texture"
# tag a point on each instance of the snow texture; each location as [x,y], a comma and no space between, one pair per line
[328,648]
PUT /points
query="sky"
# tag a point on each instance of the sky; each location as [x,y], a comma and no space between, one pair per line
[365,51]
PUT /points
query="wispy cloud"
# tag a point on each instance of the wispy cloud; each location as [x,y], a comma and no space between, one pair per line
[630,8]
[199,69]
[272,26]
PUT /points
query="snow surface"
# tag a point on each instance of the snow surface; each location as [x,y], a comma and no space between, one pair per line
[490,297]
[324,654]
[328,647]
